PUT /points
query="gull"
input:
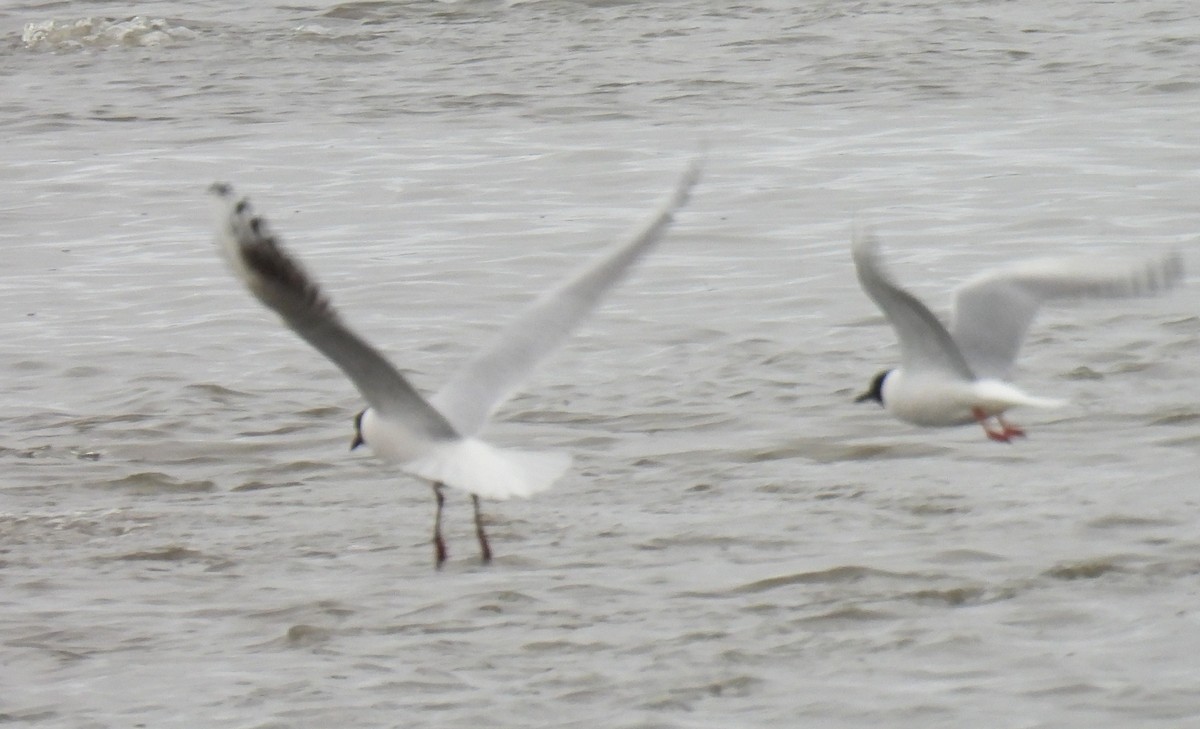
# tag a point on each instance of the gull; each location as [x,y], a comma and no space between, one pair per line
[436,438]
[958,375]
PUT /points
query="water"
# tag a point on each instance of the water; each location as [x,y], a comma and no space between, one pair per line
[185,541]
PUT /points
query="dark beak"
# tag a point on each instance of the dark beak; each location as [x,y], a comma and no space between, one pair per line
[357,441]
[863,397]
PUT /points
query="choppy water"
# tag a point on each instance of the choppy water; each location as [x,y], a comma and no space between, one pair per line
[185,541]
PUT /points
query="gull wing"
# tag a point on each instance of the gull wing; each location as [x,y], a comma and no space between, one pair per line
[282,284]
[925,345]
[489,378]
[993,311]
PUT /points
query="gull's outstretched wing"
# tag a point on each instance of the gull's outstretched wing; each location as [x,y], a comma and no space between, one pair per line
[925,345]
[488,379]
[282,284]
[993,311]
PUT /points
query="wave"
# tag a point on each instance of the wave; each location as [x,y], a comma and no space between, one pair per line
[84,33]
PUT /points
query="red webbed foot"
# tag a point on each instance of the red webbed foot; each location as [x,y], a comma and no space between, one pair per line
[1004,435]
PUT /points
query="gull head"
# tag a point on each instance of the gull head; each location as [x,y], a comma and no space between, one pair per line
[358,436]
[875,391]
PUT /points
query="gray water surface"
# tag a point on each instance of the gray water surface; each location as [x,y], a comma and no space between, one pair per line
[185,540]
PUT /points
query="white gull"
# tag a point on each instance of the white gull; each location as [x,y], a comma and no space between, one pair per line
[960,375]
[437,438]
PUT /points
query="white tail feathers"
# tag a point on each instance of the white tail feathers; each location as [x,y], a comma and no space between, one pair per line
[998,396]
[484,470]
[1046,402]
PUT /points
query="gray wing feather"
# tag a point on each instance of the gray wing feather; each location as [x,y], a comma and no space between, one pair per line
[282,284]
[993,311]
[925,344]
[488,379]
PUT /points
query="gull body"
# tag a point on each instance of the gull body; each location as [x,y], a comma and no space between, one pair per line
[940,402]
[437,438]
[958,375]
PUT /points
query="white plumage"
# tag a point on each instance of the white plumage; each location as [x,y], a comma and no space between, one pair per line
[958,375]
[435,439]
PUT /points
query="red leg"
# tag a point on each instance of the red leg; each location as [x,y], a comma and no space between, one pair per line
[485,550]
[1003,436]
[439,544]
[1010,430]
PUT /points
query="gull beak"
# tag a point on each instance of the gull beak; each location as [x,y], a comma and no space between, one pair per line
[863,397]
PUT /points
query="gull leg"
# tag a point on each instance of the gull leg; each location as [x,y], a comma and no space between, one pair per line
[1002,436]
[485,550]
[439,544]
[1010,430]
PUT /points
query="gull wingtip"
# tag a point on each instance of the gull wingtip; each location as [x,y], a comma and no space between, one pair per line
[863,241]
[687,181]
[223,190]
[1176,267]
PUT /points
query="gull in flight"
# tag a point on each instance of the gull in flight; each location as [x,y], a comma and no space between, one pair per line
[436,438]
[960,375]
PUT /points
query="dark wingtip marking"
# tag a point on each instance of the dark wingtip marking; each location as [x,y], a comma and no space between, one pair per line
[268,259]
[282,284]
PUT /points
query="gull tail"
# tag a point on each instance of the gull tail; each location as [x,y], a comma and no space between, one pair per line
[999,396]
[1034,401]
[476,467]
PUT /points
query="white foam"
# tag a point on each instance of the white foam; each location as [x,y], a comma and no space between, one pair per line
[138,31]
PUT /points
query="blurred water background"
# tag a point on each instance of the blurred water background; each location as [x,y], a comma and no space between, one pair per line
[186,542]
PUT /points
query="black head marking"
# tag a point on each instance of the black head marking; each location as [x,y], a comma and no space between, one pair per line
[875,392]
[358,439]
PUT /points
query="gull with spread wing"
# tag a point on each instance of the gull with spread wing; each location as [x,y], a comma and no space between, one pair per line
[437,438]
[960,375]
